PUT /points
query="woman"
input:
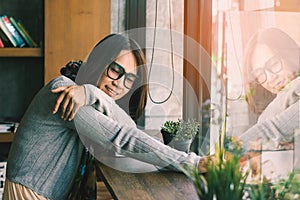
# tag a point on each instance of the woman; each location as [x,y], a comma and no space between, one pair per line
[271,64]
[272,87]
[271,61]
[46,151]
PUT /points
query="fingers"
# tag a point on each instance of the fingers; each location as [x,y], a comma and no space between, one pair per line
[69,101]
[71,116]
[66,105]
[59,89]
[71,110]
[74,111]
[58,102]
[202,165]
[64,101]
[64,90]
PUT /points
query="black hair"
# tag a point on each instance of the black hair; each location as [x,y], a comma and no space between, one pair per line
[71,69]
[105,52]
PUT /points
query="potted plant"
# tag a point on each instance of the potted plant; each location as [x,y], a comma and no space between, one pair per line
[168,131]
[180,134]
[225,178]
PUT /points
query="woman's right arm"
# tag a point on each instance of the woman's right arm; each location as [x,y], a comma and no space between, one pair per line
[279,120]
[95,128]
[73,97]
[119,132]
[275,129]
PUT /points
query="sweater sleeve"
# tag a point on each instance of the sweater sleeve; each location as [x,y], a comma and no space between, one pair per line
[97,130]
[285,98]
[98,100]
[105,104]
[276,128]
[279,120]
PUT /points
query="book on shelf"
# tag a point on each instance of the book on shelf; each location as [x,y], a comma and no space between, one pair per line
[20,24]
[8,124]
[6,127]
[1,43]
[22,31]
[5,33]
[15,34]
[5,40]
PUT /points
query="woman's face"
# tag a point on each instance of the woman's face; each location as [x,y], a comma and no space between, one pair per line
[124,64]
[269,69]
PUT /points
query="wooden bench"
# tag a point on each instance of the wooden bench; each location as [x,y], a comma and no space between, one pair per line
[132,182]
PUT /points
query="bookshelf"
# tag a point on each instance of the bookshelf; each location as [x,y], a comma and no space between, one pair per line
[22,69]
[21,52]
[6,137]
[64,30]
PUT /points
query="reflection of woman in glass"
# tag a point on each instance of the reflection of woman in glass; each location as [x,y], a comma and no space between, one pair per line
[272,92]
[271,62]
[271,87]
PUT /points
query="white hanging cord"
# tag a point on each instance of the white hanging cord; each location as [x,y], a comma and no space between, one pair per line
[172,55]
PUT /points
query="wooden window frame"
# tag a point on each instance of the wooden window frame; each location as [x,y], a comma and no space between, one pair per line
[197,26]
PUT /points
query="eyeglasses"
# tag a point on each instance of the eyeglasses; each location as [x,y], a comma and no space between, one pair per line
[273,65]
[116,71]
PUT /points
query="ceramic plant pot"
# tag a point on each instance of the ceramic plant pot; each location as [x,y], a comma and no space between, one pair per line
[181,145]
[167,138]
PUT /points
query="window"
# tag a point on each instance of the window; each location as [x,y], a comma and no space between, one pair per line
[256,49]
[165,57]
[164,52]
[177,46]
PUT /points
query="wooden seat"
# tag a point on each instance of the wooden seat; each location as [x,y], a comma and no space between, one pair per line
[102,191]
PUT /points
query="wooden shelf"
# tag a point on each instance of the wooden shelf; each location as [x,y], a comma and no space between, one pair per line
[6,137]
[21,52]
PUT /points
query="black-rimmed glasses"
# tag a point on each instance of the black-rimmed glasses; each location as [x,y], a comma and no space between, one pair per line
[116,71]
[273,65]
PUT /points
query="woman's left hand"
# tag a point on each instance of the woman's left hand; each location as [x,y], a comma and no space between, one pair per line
[70,100]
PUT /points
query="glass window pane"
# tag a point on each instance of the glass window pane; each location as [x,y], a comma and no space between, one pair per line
[164,56]
[257,48]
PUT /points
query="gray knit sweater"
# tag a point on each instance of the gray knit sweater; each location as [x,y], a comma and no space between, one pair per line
[280,120]
[46,150]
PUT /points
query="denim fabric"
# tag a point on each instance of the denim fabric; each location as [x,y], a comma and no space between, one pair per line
[46,150]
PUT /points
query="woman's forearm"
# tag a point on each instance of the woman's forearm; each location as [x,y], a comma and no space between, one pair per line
[278,128]
[94,127]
